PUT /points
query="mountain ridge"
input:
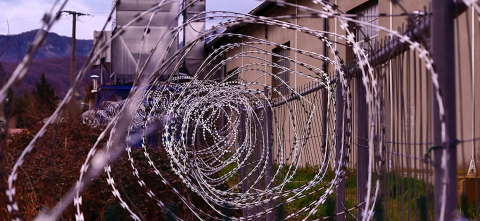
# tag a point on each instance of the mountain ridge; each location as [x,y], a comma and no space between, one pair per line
[13,47]
[52,59]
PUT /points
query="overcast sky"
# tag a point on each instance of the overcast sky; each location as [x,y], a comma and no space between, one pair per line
[25,15]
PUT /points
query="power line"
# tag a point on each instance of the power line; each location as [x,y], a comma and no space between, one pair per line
[25,18]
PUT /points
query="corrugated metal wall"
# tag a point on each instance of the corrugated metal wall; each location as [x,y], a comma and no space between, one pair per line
[131,50]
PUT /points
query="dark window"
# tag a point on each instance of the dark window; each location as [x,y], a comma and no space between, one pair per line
[282,69]
[367,36]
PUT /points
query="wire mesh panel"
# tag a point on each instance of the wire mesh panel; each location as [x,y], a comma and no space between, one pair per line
[407,176]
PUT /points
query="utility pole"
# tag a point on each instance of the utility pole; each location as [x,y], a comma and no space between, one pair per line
[72,61]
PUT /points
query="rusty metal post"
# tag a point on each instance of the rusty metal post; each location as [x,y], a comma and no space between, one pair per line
[339,143]
[443,53]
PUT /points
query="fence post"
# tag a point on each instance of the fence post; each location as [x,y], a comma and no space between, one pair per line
[339,136]
[324,121]
[362,144]
[267,133]
[443,53]
[243,170]
[257,157]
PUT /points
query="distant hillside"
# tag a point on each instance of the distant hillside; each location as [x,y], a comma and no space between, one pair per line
[56,46]
[53,59]
[57,72]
